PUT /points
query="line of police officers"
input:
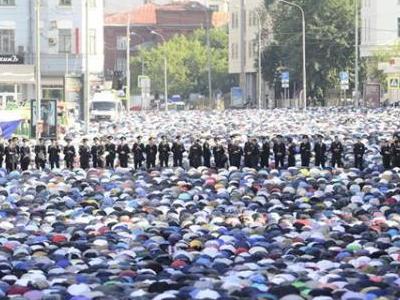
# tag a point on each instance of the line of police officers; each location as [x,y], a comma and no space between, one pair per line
[104,152]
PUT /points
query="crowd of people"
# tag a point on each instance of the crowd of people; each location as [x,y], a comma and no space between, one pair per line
[254,153]
[79,225]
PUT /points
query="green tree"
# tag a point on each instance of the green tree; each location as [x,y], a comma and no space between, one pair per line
[187,58]
[329,43]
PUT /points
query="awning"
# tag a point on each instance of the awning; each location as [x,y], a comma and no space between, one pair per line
[53,81]
[17,74]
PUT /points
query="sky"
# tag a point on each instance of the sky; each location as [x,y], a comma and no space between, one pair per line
[116,5]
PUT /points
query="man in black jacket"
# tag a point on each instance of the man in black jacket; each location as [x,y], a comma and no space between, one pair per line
[25,155]
[265,152]
[12,154]
[195,154]
[69,154]
[359,151]
[111,151]
[163,152]
[177,150]
[305,152]
[2,151]
[54,154]
[123,153]
[207,153]
[138,150]
[84,154]
[219,155]
[386,153]
[151,153]
[320,152]
[235,154]
[97,153]
[279,149]
[336,151]
[40,154]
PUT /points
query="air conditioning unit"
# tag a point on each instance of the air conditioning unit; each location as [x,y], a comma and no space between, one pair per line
[52,42]
[53,25]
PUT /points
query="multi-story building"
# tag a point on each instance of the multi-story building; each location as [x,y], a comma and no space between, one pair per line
[63,34]
[380,25]
[243,47]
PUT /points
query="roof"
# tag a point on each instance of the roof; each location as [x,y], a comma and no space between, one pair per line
[21,74]
[220,18]
[144,14]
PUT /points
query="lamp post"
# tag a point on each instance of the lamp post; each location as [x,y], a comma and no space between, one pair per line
[128,55]
[87,85]
[165,71]
[304,50]
[259,59]
[356,84]
[38,71]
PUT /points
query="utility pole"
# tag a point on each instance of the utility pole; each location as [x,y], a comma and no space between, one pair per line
[210,93]
[259,60]
[128,55]
[356,85]
[38,72]
[87,85]
[165,69]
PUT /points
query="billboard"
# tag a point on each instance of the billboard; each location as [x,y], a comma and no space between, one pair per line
[73,91]
[236,96]
[372,95]
[48,117]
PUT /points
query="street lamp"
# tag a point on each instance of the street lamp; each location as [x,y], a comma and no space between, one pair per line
[128,55]
[304,50]
[259,59]
[165,71]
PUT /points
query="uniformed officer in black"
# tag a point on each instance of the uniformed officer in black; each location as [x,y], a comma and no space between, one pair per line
[54,151]
[12,154]
[265,152]
[279,149]
[137,150]
[25,155]
[359,151]
[84,154]
[219,155]
[123,153]
[396,153]
[206,153]
[235,154]
[151,153]
[336,151]
[69,154]
[2,152]
[386,153]
[195,154]
[97,153]
[320,152]
[305,152]
[177,152]
[248,153]
[40,154]
[163,152]
[292,151]
[111,151]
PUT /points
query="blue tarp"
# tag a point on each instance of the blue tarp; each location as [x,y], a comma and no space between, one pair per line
[8,124]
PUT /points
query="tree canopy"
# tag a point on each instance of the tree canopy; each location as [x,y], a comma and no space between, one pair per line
[329,43]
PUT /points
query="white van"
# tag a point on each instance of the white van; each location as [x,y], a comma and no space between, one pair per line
[106,106]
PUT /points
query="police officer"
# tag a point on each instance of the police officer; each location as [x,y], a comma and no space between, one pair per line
[54,154]
[359,151]
[137,150]
[320,152]
[235,154]
[336,151]
[396,153]
[97,153]
[123,153]
[279,149]
[69,154]
[292,151]
[265,152]
[177,150]
[386,153]
[207,153]
[151,153]
[163,152]
[305,152]
[111,151]
[2,151]
[12,154]
[40,154]
[84,154]
[195,154]
[25,155]
[219,155]
[251,154]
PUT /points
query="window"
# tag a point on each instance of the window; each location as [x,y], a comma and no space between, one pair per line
[121,42]
[7,41]
[214,7]
[234,20]
[7,2]
[121,64]
[92,41]
[64,41]
[398,27]
[65,2]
